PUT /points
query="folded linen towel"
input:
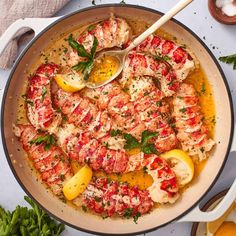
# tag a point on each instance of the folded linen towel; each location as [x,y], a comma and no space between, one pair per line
[11,10]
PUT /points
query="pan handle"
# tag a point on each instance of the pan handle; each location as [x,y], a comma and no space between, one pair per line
[36,24]
[196,215]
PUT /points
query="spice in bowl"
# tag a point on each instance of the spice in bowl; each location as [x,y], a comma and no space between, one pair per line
[228,7]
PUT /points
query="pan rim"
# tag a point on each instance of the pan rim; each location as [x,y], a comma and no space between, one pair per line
[109,6]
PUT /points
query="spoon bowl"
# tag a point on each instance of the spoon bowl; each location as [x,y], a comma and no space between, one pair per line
[120,55]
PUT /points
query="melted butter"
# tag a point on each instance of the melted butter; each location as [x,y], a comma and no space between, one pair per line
[226,229]
[198,79]
[139,178]
[104,68]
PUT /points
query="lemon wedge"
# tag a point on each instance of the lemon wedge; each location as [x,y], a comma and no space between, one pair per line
[181,164]
[78,183]
[70,82]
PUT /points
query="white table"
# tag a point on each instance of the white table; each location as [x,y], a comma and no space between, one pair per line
[221,39]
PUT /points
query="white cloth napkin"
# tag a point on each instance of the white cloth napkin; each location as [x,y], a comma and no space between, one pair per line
[11,10]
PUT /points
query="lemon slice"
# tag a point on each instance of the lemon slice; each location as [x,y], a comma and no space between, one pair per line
[78,183]
[70,82]
[181,164]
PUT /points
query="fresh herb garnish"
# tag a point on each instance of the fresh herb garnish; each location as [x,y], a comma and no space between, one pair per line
[47,139]
[44,91]
[145,169]
[91,27]
[149,149]
[128,212]
[147,135]
[84,66]
[161,58]
[131,142]
[31,103]
[115,132]
[203,88]
[183,110]
[84,208]
[136,216]
[231,59]
[24,221]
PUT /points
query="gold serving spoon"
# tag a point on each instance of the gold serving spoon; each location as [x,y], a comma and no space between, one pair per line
[120,55]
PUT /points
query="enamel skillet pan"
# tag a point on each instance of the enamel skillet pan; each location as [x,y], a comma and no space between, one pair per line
[186,208]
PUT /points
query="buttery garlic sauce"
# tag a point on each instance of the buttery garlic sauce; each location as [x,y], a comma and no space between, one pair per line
[104,68]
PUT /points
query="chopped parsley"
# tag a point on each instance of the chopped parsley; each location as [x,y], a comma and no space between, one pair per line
[162,58]
[44,91]
[128,212]
[183,110]
[91,27]
[31,103]
[84,208]
[115,132]
[203,88]
[136,216]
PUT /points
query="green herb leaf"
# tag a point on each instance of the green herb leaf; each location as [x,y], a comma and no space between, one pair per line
[203,88]
[84,66]
[131,142]
[161,58]
[86,71]
[149,149]
[78,47]
[25,222]
[147,135]
[136,216]
[231,59]
[128,212]
[91,27]
[44,91]
[183,110]
[115,132]
[94,47]
[31,103]
[47,139]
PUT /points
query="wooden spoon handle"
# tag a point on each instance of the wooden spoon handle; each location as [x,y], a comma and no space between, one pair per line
[172,12]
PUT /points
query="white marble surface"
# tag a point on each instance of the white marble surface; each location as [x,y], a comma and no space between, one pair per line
[219,38]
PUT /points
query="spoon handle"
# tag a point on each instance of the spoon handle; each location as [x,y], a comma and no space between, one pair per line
[172,12]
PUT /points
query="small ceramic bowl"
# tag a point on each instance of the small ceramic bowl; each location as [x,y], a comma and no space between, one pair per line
[199,228]
[219,15]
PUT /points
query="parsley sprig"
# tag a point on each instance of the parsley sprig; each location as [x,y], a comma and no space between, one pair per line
[145,145]
[47,139]
[84,66]
[231,59]
[24,221]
